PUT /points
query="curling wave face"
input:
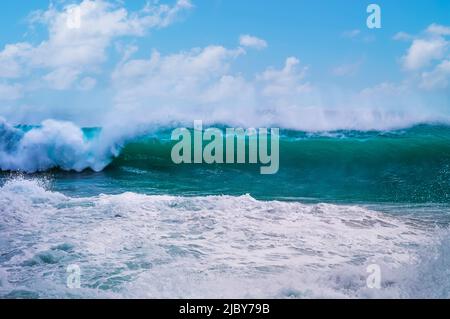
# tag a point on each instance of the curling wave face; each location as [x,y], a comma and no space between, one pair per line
[63,145]
[406,165]
[133,245]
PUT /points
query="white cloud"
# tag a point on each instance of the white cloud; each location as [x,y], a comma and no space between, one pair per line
[438,78]
[87,84]
[61,78]
[403,36]
[438,29]
[351,33]
[252,42]
[200,84]
[287,81]
[189,85]
[185,76]
[12,58]
[101,21]
[423,51]
[428,58]
[10,92]
[69,52]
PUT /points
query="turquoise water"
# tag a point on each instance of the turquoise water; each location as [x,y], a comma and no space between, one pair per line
[140,226]
[403,166]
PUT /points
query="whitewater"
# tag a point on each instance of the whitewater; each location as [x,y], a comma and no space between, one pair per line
[141,246]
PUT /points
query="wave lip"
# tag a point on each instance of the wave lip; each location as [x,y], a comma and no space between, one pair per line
[54,144]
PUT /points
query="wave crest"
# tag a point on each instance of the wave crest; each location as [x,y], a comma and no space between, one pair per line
[53,144]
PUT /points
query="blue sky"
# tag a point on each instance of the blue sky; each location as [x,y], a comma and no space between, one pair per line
[337,56]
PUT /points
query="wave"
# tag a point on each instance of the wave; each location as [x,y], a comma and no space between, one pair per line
[406,165]
[423,142]
[132,245]
[63,145]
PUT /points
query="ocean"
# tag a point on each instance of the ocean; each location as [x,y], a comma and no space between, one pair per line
[139,226]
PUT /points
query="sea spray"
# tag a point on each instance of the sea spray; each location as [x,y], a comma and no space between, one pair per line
[53,144]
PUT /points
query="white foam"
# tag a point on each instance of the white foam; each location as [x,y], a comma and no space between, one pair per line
[133,245]
[51,145]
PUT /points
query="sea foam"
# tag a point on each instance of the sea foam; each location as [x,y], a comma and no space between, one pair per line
[134,245]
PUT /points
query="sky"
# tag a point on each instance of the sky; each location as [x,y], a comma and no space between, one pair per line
[299,64]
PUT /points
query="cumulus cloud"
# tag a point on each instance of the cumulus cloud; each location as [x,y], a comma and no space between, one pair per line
[438,29]
[184,75]
[73,50]
[438,78]
[428,57]
[423,51]
[252,42]
[201,84]
[61,78]
[285,82]
[179,86]
[12,58]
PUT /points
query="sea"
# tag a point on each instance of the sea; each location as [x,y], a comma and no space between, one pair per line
[136,225]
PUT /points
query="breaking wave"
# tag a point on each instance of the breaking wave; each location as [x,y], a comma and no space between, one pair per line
[407,165]
[63,145]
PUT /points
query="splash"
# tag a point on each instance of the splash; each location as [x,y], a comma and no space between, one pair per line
[53,144]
